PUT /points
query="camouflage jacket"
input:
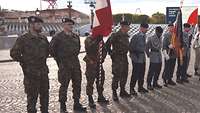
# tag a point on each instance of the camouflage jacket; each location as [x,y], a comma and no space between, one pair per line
[31,50]
[119,42]
[65,48]
[91,48]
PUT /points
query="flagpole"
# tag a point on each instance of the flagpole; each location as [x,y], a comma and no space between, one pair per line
[100,51]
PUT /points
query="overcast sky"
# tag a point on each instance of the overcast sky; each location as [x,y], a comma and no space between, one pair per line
[118,6]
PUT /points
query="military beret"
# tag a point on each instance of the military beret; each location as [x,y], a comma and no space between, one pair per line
[34,19]
[159,29]
[144,25]
[124,23]
[171,24]
[64,20]
[186,25]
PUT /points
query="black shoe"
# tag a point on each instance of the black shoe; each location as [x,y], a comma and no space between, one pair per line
[179,81]
[143,90]
[124,94]
[171,82]
[63,107]
[185,80]
[133,92]
[115,97]
[150,87]
[79,107]
[92,105]
[188,75]
[102,99]
[165,82]
[91,102]
[195,73]
[157,86]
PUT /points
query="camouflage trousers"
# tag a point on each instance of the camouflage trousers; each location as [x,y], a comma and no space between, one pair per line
[119,71]
[36,83]
[65,74]
[92,73]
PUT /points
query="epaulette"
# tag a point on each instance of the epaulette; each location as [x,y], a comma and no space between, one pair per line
[74,34]
[24,35]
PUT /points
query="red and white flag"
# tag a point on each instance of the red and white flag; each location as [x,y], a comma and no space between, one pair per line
[190,14]
[102,25]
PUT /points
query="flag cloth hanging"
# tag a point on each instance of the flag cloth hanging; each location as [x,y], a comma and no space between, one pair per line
[190,15]
[177,37]
[102,25]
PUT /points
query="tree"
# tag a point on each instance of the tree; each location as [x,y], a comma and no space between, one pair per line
[144,19]
[118,17]
[157,18]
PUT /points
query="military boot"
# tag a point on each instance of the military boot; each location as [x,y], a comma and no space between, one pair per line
[133,92]
[102,99]
[78,106]
[63,107]
[124,94]
[196,71]
[115,97]
[91,101]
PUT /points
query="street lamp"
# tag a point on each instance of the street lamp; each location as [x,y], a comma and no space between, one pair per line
[92,6]
[37,12]
[69,6]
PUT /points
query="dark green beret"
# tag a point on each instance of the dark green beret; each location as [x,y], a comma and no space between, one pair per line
[34,19]
[64,20]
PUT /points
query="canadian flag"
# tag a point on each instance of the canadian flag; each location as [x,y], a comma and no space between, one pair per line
[102,25]
[190,14]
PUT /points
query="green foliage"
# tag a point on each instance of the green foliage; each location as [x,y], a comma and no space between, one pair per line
[157,18]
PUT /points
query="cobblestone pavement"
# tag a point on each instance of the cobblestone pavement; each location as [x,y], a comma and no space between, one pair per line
[177,99]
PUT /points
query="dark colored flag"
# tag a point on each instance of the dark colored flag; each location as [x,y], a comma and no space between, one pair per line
[177,37]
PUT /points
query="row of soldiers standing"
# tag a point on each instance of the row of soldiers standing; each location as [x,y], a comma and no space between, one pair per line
[32,49]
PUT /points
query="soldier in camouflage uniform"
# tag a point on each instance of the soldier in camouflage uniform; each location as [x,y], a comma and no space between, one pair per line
[182,68]
[170,57]
[120,47]
[92,69]
[65,48]
[31,51]
[137,54]
[153,51]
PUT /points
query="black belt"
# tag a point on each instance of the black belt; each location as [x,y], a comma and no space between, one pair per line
[153,50]
[138,52]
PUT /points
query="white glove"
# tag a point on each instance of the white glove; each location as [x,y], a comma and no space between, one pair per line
[166,56]
[170,46]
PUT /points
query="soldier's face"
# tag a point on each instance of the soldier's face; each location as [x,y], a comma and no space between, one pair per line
[68,26]
[171,28]
[125,28]
[37,27]
[187,29]
[144,30]
[158,34]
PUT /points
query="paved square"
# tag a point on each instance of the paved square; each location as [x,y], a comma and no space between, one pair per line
[178,99]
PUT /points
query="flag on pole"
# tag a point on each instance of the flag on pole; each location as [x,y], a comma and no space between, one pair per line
[190,15]
[177,37]
[102,25]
